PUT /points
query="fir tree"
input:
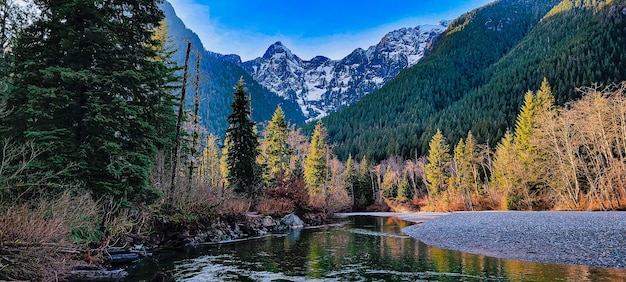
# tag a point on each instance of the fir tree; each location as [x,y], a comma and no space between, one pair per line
[276,153]
[504,161]
[404,191]
[315,164]
[363,190]
[390,185]
[525,176]
[90,89]
[241,147]
[351,177]
[438,162]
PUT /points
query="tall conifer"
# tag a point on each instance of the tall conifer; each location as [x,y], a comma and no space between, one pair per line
[315,164]
[438,162]
[89,88]
[242,144]
[276,153]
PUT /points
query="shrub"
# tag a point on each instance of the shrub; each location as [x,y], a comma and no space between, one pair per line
[276,207]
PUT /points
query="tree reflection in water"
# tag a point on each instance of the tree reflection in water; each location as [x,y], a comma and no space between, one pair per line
[365,248]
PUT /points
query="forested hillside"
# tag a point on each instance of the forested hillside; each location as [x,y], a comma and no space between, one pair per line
[218,74]
[478,71]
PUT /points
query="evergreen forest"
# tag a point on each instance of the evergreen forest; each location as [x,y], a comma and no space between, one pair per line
[118,129]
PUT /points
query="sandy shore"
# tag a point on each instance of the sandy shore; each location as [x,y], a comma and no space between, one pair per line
[584,238]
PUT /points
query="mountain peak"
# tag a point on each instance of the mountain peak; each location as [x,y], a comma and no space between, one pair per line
[321,85]
[275,48]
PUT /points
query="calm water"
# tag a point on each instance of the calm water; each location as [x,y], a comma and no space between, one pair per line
[362,249]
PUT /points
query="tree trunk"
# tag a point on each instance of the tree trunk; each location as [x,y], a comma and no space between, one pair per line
[179,121]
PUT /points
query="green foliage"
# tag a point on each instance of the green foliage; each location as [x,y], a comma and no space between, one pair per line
[276,153]
[474,77]
[400,118]
[390,183]
[404,191]
[87,87]
[316,162]
[241,147]
[84,235]
[363,188]
[502,177]
[520,157]
[210,163]
[436,169]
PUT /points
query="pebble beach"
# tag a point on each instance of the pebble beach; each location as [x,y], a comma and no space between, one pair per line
[583,238]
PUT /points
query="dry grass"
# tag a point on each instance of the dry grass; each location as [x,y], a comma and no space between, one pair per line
[275,206]
[400,206]
[46,220]
[488,202]
[33,234]
[20,224]
[234,207]
[445,204]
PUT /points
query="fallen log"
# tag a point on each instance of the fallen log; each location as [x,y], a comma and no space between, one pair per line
[98,275]
[123,258]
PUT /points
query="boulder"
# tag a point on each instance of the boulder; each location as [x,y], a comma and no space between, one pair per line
[268,221]
[292,221]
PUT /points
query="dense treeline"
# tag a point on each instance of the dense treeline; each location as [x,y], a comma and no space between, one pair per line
[570,157]
[472,78]
[90,157]
[572,48]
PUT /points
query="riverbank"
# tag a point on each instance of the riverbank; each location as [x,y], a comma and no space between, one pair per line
[417,217]
[582,238]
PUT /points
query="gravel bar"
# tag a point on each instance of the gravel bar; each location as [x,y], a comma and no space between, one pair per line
[417,217]
[583,238]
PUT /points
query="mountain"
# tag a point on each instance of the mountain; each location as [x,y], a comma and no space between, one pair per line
[478,71]
[321,85]
[219,74]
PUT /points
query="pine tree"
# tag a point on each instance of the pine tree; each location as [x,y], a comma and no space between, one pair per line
[437,166]
[241,147]
[458,177]
[473,160]
[525,171]
[163,117]
[503,163]
[363,190]
[351,177]
[88,87]
[389,185]
[404,191]
[276,153]
[316,162]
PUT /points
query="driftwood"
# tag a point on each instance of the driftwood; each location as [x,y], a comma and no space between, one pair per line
[98,275]
[122,258]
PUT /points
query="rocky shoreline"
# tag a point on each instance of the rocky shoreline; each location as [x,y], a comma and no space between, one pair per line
[595,239]
[180,235]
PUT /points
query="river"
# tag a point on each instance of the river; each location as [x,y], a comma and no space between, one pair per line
[359,248]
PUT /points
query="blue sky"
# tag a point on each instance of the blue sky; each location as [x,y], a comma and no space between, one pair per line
[308,27]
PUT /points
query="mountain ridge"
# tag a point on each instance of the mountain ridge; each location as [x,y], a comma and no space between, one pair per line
[322,85]
[219,74]
[400,118]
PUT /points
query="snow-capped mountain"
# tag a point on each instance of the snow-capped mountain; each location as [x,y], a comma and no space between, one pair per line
[321,85]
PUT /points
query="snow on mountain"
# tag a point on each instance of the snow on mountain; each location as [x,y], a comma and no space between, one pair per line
[321,86]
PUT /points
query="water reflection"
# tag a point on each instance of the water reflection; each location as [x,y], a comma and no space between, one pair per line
[364,249]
